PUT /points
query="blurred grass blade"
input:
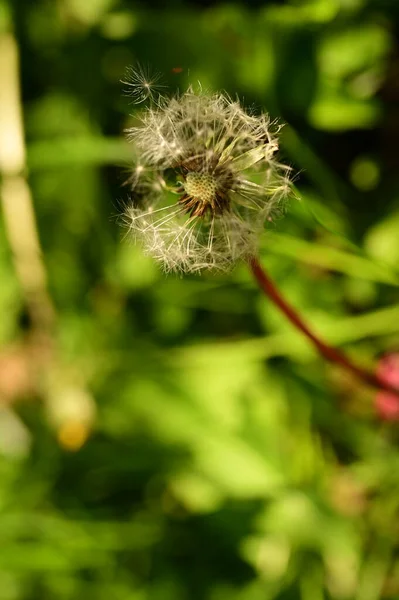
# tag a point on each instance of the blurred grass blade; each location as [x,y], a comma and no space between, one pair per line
[81,151]
[330,258]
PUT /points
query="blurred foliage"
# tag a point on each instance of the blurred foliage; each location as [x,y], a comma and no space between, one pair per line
[187,443]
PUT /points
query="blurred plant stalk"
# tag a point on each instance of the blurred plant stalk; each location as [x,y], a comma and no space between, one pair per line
[328,352]
[70,407]
[16,197]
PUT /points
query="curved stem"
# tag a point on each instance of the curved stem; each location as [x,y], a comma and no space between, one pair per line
[329,352]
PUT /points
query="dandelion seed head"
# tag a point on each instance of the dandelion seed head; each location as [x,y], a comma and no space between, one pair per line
[207,181]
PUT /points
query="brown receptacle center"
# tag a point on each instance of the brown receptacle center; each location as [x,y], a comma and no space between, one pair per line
[201,185]
[202,194]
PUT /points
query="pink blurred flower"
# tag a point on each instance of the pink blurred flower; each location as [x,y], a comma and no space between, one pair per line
[386,404]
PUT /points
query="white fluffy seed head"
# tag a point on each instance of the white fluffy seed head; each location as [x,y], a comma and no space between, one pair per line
[206,183]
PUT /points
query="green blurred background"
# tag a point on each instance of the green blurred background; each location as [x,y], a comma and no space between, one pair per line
[170,438]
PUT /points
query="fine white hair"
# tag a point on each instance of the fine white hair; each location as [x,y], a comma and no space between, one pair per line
[193,146]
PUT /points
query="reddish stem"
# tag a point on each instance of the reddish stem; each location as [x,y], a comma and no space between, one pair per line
[329,352]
